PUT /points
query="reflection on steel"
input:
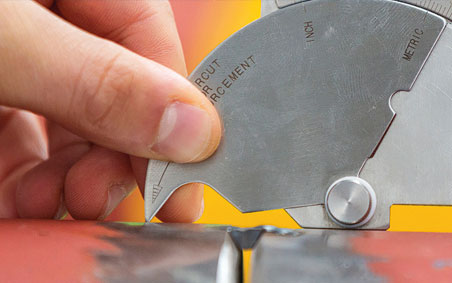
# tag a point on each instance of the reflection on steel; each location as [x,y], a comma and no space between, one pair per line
[170,253]
[353,256]
[81,251]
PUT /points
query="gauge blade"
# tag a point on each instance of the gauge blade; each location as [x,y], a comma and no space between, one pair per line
[304,97]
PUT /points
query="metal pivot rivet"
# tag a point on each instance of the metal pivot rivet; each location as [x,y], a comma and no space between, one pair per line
[350,202]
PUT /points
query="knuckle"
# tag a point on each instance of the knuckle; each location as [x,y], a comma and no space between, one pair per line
[110,92]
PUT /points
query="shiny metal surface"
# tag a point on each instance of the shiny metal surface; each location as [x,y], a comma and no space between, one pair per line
[38,250]
[170,254]
[352,256]
[303,101]
[230,263]
[350,202]
[311,256]
[440,7]
[87,251]
[268,6]
[413,163]
[245,238]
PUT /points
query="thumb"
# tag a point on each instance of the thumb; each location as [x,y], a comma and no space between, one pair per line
[99,90]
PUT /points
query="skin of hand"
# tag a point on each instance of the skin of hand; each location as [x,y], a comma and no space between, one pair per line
[108,76]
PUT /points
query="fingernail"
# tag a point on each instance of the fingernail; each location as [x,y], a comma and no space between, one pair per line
[201,210]
[116,194]
[62,210]
[184,132]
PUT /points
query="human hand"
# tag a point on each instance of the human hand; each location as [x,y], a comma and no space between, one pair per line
[90,68]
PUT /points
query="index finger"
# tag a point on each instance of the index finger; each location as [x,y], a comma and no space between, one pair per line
[147,28]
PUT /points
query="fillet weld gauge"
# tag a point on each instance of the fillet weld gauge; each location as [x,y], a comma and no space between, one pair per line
[332,109]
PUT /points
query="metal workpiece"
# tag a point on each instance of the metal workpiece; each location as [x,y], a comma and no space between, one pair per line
[304,97]
[312,256]
[170,254]
[229,268]
[245,238]
[352,256]
[88,251]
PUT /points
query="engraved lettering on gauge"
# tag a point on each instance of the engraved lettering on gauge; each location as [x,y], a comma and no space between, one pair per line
[155,192]
[205,76]
[412,44]
[214,93]
[309,31]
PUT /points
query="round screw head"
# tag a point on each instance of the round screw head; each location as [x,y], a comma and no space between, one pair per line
[350,202]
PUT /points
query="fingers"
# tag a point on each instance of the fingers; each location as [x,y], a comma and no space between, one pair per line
[97,183]
[145,27]
[184,205]
[59,138]
[100,90]
[22,146]
[62,140]
[148,29]
[40,193]
[187,205]
[45,3]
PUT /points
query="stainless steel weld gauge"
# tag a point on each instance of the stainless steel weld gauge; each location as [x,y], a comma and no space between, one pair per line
[332,109]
